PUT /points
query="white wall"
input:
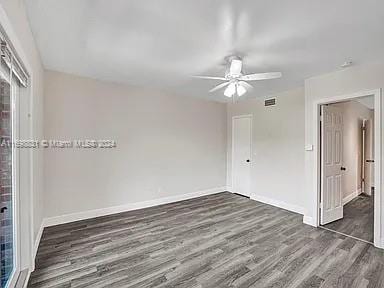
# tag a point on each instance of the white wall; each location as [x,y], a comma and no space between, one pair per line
[25,46]
[277,165]
[353,115]
[167,145]
[351,80]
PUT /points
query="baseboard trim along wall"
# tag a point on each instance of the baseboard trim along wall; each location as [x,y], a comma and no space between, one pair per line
[36,244]
[351,196]
[279,204]
[51,221]
[309,221]
[27,278]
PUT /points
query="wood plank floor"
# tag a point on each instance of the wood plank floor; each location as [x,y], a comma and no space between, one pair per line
[357,220]
[221,240]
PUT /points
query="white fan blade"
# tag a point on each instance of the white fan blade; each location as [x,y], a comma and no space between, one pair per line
[210,77]
[261,76]
[246,85]
[236,66]
[222,85]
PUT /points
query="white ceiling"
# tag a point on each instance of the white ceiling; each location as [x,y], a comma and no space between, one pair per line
[161,43]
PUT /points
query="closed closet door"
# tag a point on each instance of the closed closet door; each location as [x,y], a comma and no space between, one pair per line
[241,154]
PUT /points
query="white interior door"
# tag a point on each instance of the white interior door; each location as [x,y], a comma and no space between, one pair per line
[241,154]
[331,164]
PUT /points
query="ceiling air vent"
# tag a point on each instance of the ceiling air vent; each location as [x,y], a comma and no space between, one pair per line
[270,102]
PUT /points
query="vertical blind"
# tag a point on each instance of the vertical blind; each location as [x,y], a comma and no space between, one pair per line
[11,59]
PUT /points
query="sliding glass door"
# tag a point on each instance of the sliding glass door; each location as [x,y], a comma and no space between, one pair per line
[8,181]
[16,188]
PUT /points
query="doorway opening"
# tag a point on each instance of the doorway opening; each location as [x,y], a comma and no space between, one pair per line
[347,167]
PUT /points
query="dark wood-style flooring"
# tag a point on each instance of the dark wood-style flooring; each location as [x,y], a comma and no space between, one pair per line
[221,240]
[357,220]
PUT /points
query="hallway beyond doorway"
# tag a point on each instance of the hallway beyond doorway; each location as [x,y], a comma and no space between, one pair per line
[357,220]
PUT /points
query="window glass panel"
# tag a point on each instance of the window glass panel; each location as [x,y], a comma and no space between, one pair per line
[6,191]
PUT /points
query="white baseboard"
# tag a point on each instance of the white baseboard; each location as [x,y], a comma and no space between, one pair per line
[113,210]
[51,221]
[36,244]
[381,244]
[309,221]
[351,196]
[27,278]
[279,204]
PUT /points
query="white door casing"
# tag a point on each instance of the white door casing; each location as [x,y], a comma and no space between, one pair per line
[368,157]
[241,154]
[331,164]
[313,217]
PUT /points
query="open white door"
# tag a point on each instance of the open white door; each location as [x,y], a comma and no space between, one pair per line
[331,164]
[241,154]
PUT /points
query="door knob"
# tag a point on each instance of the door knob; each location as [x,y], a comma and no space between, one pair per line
[248,160]
[343,168]
[2,210]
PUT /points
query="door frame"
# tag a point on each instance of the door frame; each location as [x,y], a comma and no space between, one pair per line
[250,116]
[361,181]
[378,141]
[372,143]
[28,247]
[15,120]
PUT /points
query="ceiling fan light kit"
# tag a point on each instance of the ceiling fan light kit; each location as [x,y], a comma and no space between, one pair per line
[230,90]
[236,81]
[235,87]
[240,90]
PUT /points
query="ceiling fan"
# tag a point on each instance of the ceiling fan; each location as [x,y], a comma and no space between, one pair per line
[236,81]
